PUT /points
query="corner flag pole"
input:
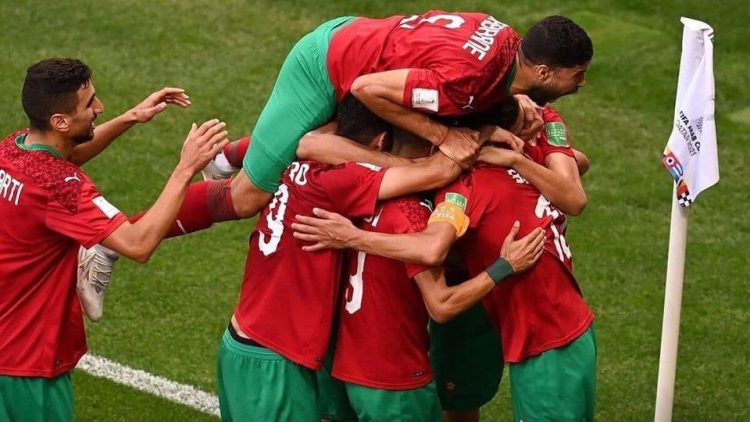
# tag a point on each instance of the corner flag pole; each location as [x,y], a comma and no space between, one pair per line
[692,160]
[670,329]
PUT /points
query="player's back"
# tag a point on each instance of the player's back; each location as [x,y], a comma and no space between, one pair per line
[383,340]
[542,307]
[288,295]
[470,53]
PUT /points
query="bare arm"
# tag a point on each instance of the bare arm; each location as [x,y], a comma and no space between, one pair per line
[107,132]
[434,172]
[445,302]
[139,240]
[324,146]
[383,93]
[330,230]
[559,181]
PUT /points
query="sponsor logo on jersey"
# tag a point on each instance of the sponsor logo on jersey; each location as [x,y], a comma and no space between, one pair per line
[456,198]
[425,98]
[556,134]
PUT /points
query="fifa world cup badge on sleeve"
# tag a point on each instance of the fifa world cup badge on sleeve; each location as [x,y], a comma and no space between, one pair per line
[456,198]
[556,134]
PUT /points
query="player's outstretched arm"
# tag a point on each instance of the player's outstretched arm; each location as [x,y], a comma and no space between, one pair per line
[559,181]
[328,230]
[107,132]
[383,93]
[445,302]
[324,146]
[139,240]
[436,171]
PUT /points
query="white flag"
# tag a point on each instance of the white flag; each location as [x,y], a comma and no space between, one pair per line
[690,155]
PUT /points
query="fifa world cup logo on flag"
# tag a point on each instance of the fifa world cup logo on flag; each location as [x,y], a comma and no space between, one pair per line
[690,155]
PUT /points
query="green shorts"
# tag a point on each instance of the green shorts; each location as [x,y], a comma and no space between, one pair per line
[36,399]
[467,357]
[417,405]
[333,403]
[257,384]
[302,99]
[559,384]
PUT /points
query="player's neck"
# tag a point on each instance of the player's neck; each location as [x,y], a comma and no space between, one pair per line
[51,139]
[524,77]
[409,151]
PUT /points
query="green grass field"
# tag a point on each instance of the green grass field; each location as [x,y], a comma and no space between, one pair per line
[166,317]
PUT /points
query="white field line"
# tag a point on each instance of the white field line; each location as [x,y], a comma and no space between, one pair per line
[141,380]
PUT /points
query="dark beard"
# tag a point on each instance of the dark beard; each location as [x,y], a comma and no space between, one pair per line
[541,96]
[82,139]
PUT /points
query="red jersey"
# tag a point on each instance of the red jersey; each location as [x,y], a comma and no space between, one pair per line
[48,207]
[460,62]
[288,296]
[383,340]
[541,308]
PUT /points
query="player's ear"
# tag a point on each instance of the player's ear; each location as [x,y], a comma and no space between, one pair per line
[543,72]
[59,122]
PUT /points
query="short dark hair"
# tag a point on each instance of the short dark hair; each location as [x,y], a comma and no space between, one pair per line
[357,122]
[557,41]
[502,114]
[50,87]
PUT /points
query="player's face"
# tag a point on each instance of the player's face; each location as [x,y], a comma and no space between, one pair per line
[558,82]
[82,119]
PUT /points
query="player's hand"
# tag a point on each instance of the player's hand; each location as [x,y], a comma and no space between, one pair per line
[501,136]
[523,253]
[532,117]
[461,145]
[499,156]
[327,230]
[202,144]
[157,102]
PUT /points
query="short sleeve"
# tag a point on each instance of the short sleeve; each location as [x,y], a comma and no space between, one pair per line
[554,137]
[90,222]
[462,193]
[353,188]
[425,91]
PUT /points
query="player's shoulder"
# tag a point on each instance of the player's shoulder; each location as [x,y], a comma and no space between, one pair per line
[550,114]
[59,179]
[412,210]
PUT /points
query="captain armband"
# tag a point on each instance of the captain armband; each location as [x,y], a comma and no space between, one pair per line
[452,214]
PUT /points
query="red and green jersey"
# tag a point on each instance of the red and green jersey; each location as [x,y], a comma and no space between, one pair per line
[382,339]
[48,207]
[460,62]
[541,308]
[288,296]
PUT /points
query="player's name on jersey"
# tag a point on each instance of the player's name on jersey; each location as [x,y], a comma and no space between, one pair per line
[10,187]
[482,39]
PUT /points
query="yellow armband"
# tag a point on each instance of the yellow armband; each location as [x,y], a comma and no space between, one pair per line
[453,214]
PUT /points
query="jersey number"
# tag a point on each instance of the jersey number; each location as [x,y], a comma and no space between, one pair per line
[355,289]
[453,21]
[544,208]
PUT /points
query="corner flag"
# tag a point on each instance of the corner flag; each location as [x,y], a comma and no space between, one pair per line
[691,158]
[690,155]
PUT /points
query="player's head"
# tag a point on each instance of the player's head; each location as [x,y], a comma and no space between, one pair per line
[556,52]
[356,122]
[58,96]
[409,145]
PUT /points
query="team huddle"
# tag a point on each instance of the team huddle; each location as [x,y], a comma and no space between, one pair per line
[413,186]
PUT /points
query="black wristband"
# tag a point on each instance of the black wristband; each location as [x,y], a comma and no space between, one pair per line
[499,270]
